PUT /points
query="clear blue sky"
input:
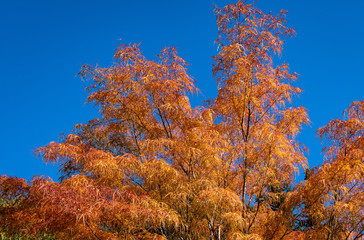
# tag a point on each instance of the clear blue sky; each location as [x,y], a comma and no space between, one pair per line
[44,43]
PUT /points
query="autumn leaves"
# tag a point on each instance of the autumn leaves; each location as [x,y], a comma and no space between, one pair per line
[154,167]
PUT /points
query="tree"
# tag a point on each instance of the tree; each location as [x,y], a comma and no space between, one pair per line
[154,167]
[333,192]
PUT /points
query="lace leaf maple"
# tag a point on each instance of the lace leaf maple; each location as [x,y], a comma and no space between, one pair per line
[154,167]
[333,193]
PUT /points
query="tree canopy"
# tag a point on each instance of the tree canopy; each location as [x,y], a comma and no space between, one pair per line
[154,167]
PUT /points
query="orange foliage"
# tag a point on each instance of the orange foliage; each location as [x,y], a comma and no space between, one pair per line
[153,167]
[333,193]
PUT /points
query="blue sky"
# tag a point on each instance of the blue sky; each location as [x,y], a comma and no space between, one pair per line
[44,43]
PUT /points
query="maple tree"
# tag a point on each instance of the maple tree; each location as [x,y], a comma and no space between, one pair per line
[332,196]
[154,167]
